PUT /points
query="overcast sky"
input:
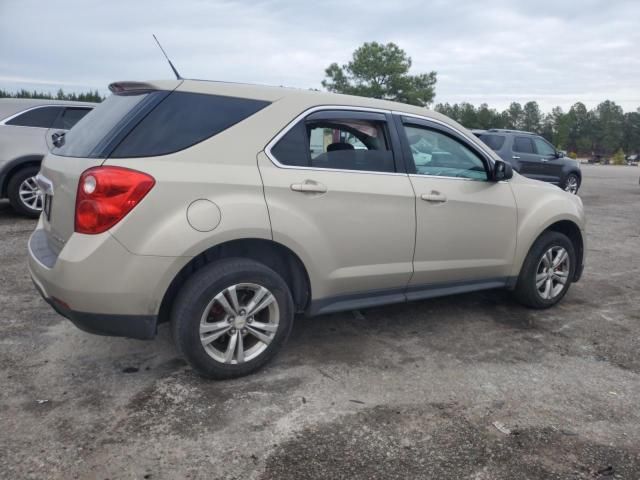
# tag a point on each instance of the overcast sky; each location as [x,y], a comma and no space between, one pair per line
[556,52]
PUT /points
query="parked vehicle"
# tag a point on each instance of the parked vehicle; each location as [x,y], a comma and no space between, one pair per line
[24,126]
[534,157]
[202,204]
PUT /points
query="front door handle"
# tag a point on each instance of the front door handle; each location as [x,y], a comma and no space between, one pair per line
[516,157]
[434,197]
[309,186]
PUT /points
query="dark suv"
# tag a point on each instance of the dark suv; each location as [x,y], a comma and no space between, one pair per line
[534,157]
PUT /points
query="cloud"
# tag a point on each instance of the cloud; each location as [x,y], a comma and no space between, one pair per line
[493,51]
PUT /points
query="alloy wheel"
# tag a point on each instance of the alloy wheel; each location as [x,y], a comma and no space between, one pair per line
[552,273]
[572,184]
[239,323]
[30,194]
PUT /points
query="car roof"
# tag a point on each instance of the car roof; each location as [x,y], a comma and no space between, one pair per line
[294,96]
[11,106]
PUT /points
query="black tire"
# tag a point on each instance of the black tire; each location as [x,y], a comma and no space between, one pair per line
[201,288]
[526,291]
[571,177]
[13,191]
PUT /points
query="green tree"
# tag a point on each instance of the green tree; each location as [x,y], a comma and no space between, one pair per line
[531,117]
[632,132]
[381,71]
[515,117]
[608,126]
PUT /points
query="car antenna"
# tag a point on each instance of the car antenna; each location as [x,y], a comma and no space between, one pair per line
[178,77]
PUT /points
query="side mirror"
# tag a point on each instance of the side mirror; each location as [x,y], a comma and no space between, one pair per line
[502,171]
[560,153]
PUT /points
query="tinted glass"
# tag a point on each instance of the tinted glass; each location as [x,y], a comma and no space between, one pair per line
[293,148]
[92,135]
[71,116]
[42,117]
[437,154]
[337,144]
[523,145]
[182,120]
[544,148]
[495,142]
[350,145]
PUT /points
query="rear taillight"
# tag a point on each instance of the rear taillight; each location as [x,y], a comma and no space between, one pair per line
[106,195]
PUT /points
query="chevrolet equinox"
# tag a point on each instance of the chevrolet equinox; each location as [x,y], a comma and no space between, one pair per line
[225,209]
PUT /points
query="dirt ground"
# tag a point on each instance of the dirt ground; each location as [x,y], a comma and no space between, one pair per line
[471,386]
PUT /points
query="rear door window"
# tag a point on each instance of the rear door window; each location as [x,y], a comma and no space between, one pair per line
[495,142]
[41,117]
[346,142]
[523,145]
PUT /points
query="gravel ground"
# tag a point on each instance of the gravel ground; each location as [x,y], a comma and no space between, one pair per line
[471,386]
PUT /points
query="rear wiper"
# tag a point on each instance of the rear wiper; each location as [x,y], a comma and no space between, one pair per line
[58,139]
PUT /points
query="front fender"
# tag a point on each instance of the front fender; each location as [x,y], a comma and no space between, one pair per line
[539,207]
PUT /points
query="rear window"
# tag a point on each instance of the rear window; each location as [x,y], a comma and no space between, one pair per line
[154,123]
[42,117]
[495,142]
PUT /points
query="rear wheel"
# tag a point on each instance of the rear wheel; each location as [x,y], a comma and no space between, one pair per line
[24,194]
[232,317]
[547,271]
[571,184]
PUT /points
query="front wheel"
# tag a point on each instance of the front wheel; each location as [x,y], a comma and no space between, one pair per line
[571,184]
[547,271]
[24,194]
[232,317]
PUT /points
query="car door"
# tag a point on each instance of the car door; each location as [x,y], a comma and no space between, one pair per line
[523,151]
[466,222]
[550,167]
[337,196]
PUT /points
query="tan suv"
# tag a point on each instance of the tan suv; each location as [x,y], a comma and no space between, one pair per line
[225,209]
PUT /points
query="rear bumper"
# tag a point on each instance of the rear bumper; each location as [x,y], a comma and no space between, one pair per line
[142,327]
[99,285]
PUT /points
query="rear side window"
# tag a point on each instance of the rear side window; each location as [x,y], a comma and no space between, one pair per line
[495,142]
[150,123]
[523,145]
[182,120]
[340,143]
[70,117]
[42,117]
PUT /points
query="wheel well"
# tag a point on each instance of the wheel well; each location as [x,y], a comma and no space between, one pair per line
[572,231]
[272,254]
[17,165]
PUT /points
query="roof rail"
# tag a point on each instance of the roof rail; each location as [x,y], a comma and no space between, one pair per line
[508,130]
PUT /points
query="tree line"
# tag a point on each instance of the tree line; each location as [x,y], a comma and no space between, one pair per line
[602,130]
[94,96]
[382,71]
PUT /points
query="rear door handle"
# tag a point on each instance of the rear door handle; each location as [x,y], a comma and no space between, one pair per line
[516,157]
[308,186]
[434,197]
